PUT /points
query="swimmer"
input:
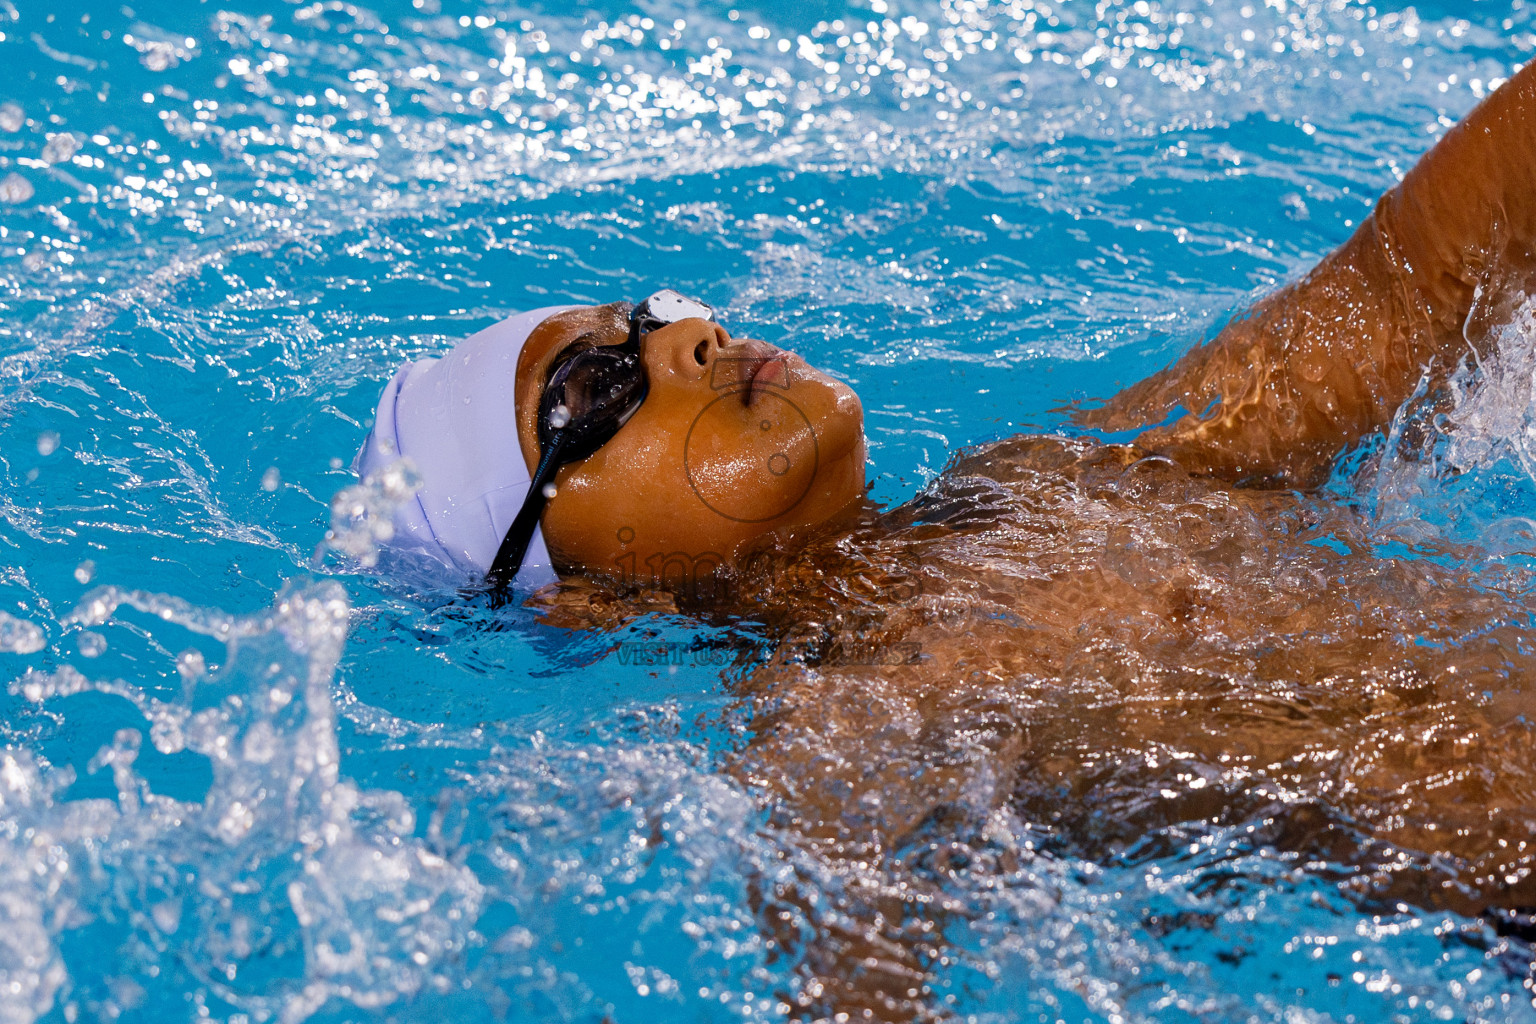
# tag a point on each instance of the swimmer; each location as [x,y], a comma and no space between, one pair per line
[613,440]
[1109,646]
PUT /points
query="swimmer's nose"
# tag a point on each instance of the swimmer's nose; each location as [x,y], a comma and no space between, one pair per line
[687,348]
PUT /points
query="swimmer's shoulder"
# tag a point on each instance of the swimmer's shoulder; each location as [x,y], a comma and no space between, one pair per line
[1033,459]
[1046,472]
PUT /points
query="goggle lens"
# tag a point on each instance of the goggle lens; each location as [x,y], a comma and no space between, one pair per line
[589,397]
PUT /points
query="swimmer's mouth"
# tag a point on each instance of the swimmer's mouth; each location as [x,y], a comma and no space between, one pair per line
[760,367]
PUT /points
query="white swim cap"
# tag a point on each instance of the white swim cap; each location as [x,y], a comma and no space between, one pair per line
[456,419]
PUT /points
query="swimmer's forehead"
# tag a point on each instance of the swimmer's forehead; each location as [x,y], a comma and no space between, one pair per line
[596,325]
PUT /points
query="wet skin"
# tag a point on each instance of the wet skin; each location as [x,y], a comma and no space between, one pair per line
[1118,647]
[735,439]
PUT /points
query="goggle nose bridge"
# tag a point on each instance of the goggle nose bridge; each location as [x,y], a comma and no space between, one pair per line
[663,308]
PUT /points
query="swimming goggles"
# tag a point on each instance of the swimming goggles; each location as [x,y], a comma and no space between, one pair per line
[592,391]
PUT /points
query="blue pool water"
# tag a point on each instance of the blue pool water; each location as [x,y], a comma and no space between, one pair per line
[245,783]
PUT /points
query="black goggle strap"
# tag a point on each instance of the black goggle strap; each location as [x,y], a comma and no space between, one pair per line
[514,546]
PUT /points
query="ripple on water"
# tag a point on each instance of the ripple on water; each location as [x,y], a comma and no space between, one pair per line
[221,231]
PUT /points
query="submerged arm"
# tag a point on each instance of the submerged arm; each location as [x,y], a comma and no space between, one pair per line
[1314,367]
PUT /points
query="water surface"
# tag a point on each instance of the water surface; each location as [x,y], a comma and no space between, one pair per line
[241,786]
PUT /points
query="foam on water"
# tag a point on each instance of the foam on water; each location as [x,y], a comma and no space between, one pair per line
[265,893]
[1459,466]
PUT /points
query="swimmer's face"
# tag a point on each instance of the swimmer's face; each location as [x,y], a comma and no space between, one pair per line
[734,438]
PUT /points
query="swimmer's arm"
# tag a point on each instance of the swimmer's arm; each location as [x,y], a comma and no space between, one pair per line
[1316,366]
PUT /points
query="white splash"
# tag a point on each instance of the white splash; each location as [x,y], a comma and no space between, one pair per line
[377,915]
[18,636]
[1460,465]
[1494,411]
[363,515]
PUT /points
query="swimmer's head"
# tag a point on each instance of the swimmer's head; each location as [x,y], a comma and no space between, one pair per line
[733,439]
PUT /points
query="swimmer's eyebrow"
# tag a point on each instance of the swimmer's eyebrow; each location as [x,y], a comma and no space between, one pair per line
[587,339]
[591,339]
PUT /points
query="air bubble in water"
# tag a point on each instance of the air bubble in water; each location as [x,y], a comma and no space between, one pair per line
[271,480]
[15,189]
[85,572]
[190,664]
[18,636]
[92,645]
[61,147]
[12,117]
[47,443]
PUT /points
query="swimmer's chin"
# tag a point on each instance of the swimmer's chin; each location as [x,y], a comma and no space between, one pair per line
[842,432]
[842,475]
[846,459]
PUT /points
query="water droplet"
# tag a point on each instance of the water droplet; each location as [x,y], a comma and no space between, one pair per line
[362,516]
[190,664]
[85,572]
[559,416]
[15,189]
[61,147]
[18,636]
[47,443]
[92,645]
[12,117]
[167,915]
[160,56]
[549,490]
[271,480]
